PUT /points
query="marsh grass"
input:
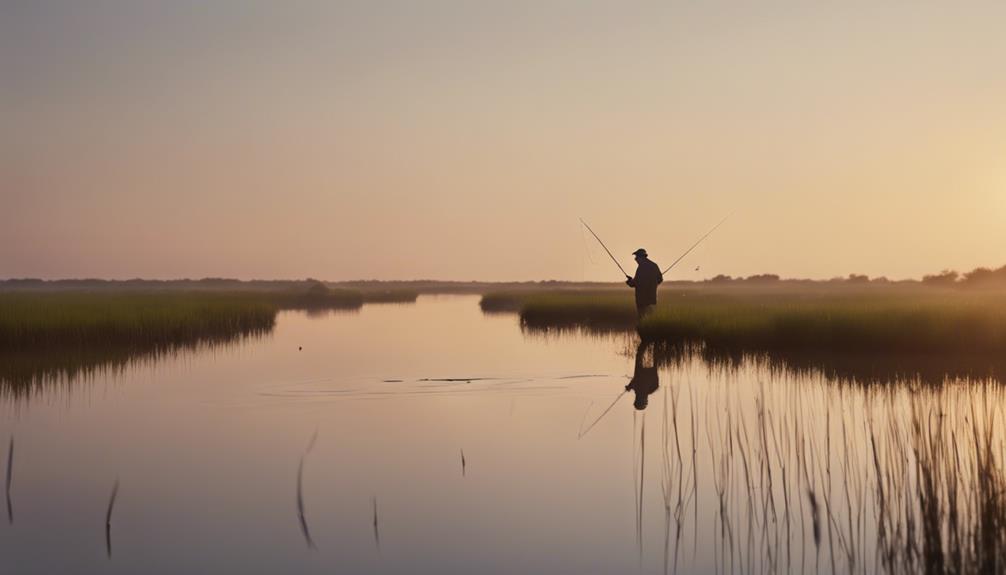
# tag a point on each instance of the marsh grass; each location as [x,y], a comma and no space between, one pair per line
[592,310]
[503,301]
[963,323]
[843,369]
[25,374]
[49,339]
[131,320]
[389,296]
[900,480]
[878,320]
[317,297]
[515,299]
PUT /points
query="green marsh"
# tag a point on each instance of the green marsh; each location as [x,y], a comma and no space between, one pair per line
[875,320]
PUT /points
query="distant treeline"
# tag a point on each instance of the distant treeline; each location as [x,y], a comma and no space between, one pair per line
[215,284]
[372,289]
[979,277]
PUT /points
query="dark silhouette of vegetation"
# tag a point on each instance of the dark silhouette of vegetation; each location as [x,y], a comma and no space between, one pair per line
[390,296]
[50,337]
[943,279]
[33,321]
[27,372]
[316,296]
[763,278]
[876,321]
[840,368]
[984,277]
[864,323]
[979,276]
[912,482]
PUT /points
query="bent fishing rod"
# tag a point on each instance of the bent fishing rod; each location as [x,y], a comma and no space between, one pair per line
[605,248]
[695,245]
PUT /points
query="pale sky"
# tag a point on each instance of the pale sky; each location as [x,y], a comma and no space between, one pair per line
[462,140]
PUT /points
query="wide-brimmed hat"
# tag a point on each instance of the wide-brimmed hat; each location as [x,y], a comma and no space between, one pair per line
[640,252]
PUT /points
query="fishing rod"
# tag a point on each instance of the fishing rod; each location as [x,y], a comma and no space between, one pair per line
[695,245]
[605,248]
[600,417]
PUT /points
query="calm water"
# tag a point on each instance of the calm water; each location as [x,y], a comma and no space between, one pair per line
[724,470]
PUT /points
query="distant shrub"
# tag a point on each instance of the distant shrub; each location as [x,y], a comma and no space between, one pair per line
[985,277]
[944,278]
[762,278]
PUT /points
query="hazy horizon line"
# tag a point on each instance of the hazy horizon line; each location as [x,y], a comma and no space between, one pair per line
[767,276]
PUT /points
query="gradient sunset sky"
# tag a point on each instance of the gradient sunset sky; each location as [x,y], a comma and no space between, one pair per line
[462,140]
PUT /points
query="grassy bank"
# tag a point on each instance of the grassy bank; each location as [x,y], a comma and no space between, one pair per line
[502,301]
[574,302]
[389,296]
[60,320]
[52,337]
[875,321]
[321,297]
[594,310]
[314,298]
[88,319]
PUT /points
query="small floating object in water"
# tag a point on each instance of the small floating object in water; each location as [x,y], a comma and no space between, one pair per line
[300,347]
[464,464]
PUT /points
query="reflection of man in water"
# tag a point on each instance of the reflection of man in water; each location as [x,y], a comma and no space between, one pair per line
[648,277]
[644,379]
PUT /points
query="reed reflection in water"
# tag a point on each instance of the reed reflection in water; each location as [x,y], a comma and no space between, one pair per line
[26,374]
[809,475]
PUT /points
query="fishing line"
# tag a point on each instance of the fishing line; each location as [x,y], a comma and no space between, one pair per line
[605,248]
[586,246]
[586,254]
[600,417]
[695,245]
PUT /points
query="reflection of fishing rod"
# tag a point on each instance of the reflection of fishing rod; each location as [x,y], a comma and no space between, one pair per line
[605,248]
[600,417]
[695,245]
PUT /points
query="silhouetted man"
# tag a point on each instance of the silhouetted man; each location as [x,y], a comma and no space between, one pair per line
[644,379]
[648,277]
